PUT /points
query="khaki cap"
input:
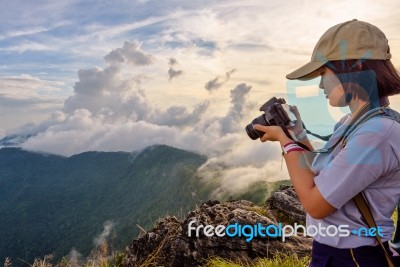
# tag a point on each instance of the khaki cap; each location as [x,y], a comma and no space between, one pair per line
[349,40]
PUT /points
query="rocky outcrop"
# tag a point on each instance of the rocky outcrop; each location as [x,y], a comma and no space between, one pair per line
[284,206]
[171,243]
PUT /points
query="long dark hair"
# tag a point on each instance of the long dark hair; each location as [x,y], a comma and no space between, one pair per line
[377,78]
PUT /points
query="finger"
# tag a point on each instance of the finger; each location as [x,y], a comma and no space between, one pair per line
[260,127]
[264,138]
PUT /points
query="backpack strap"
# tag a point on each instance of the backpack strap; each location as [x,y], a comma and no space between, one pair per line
[359,199]
[363,207]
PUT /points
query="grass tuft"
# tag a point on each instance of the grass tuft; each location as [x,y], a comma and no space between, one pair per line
[280,260]
[7,262]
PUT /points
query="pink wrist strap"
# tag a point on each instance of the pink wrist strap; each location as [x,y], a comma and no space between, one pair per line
[290,143]
[291,147]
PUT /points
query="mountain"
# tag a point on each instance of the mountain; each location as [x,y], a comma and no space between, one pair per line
[50,204]
[13,140]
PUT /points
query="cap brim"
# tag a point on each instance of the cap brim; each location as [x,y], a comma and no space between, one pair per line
[306,72]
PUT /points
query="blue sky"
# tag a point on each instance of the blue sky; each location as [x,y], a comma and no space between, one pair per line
[122,75]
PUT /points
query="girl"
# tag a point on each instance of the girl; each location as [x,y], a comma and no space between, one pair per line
[353,60]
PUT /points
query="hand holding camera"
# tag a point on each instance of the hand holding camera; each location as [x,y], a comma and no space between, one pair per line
[277,120]
[270,133]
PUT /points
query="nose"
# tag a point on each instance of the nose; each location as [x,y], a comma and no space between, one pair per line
[321,84]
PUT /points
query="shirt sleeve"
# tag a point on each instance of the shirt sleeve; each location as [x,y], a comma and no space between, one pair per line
[364,159]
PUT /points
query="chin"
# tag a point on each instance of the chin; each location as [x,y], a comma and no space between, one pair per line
[334,102]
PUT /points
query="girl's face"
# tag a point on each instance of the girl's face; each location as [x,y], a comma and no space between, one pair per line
[332,88]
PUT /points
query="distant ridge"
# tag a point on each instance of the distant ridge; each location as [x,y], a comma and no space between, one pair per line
[50,204]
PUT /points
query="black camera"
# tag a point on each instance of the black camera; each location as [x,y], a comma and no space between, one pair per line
[276,112]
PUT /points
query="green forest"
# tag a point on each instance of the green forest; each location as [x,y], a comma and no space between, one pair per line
[51,204]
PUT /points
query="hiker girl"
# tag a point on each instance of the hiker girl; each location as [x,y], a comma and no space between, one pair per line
[361,156]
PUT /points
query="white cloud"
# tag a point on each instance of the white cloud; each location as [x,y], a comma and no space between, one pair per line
[234,179]
[32,129]
[108,227]
[27,31]
[129,53]
[230,123]
[27,86]
[30,31]
[82,132]
[27,95]
[179,115]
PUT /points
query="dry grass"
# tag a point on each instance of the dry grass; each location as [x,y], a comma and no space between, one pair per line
[100,257]
[7,262]
[280,260]
[156,258]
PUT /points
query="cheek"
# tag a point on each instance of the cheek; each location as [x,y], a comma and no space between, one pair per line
[330,82]
[337,97]
[338,91]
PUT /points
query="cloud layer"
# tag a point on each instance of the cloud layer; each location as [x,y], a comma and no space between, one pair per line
[122,101]
[109,111]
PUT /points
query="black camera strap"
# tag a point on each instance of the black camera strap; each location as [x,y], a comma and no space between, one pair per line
[323,138]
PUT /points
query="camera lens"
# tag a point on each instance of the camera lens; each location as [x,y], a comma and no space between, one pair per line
[253,133]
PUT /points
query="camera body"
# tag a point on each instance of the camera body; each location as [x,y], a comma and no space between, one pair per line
[276,112]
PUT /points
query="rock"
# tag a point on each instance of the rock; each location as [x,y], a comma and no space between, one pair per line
[169,243]
[284,206]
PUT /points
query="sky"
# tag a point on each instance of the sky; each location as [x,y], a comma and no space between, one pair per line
[123,75]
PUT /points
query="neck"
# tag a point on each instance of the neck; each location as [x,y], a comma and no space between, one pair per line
[356,105]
